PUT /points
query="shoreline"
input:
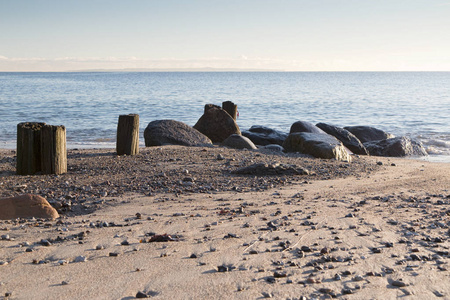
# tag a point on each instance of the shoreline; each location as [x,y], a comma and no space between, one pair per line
[360,230]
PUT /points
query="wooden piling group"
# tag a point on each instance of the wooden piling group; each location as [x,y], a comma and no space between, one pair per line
[41,148]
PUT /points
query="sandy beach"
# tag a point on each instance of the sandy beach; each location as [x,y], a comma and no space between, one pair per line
[182,223]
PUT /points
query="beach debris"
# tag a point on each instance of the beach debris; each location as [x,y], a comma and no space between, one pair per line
[163,238]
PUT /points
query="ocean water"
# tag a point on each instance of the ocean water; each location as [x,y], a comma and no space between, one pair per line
[414,104]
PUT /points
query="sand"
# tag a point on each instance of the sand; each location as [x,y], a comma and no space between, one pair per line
[376,228]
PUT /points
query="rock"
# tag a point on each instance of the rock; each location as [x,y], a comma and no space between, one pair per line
[80,258]
[261,135]
[263,169]
[368,134]
[398,283]
[273,147]
[319,145]
[237,141]
[26,206]
[398,147]
[170,132]
[217,125]
[346,137]
[302,126]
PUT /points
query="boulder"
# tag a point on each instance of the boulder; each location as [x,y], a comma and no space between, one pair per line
[261,135]
[302,126]
[170,132]
[398,147]
[368,134]
[217,124]
[26,206]
[320,145]
[237,141]
[346,137]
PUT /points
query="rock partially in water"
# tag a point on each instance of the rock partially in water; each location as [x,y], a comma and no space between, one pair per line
[396,147]
[368,133]
[320,145]
[346,137]
[263,136]
[170,132]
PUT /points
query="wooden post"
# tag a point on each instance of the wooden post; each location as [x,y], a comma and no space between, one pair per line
[128,135]
[53,149]
[29,148]
[230,108]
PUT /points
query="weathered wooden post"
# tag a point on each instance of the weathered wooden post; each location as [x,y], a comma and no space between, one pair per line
[128,135]
[29,148]
[41,148]
[230,108]
[53,150]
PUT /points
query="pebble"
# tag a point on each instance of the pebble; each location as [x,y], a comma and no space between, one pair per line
[80,258]
[141,295]
[398,283]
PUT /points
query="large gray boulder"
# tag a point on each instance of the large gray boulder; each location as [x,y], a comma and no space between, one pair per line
[217,124]
[303,126]
[320,145]
[398,147]
[261,135]
[368,134]
[346,137]
[237,141]
[170,132]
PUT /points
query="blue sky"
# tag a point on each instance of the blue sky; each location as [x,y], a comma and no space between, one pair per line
[292,35]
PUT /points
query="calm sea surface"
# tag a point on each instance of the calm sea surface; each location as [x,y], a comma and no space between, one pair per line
[415,104]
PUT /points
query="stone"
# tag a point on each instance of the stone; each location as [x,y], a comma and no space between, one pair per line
[170,132]
[273,148]
[261,135]
[368,134]
[26,206]
[263,169]
[303,126]
[319,145]
[217,125]
[396,147]
[346,137]
[237,141]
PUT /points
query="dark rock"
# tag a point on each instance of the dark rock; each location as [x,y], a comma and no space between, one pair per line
[346,137]
[262,169]
[170,132]
[261,135]
[368,134]
[217,124]
[398,283]
[398,147]
[142,295]
[237,141]
[319,145]
[273,147]
[302,126]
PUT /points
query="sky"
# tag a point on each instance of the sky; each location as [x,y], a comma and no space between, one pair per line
[288,35]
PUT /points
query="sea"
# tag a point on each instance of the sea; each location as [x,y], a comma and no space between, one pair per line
[88,104]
